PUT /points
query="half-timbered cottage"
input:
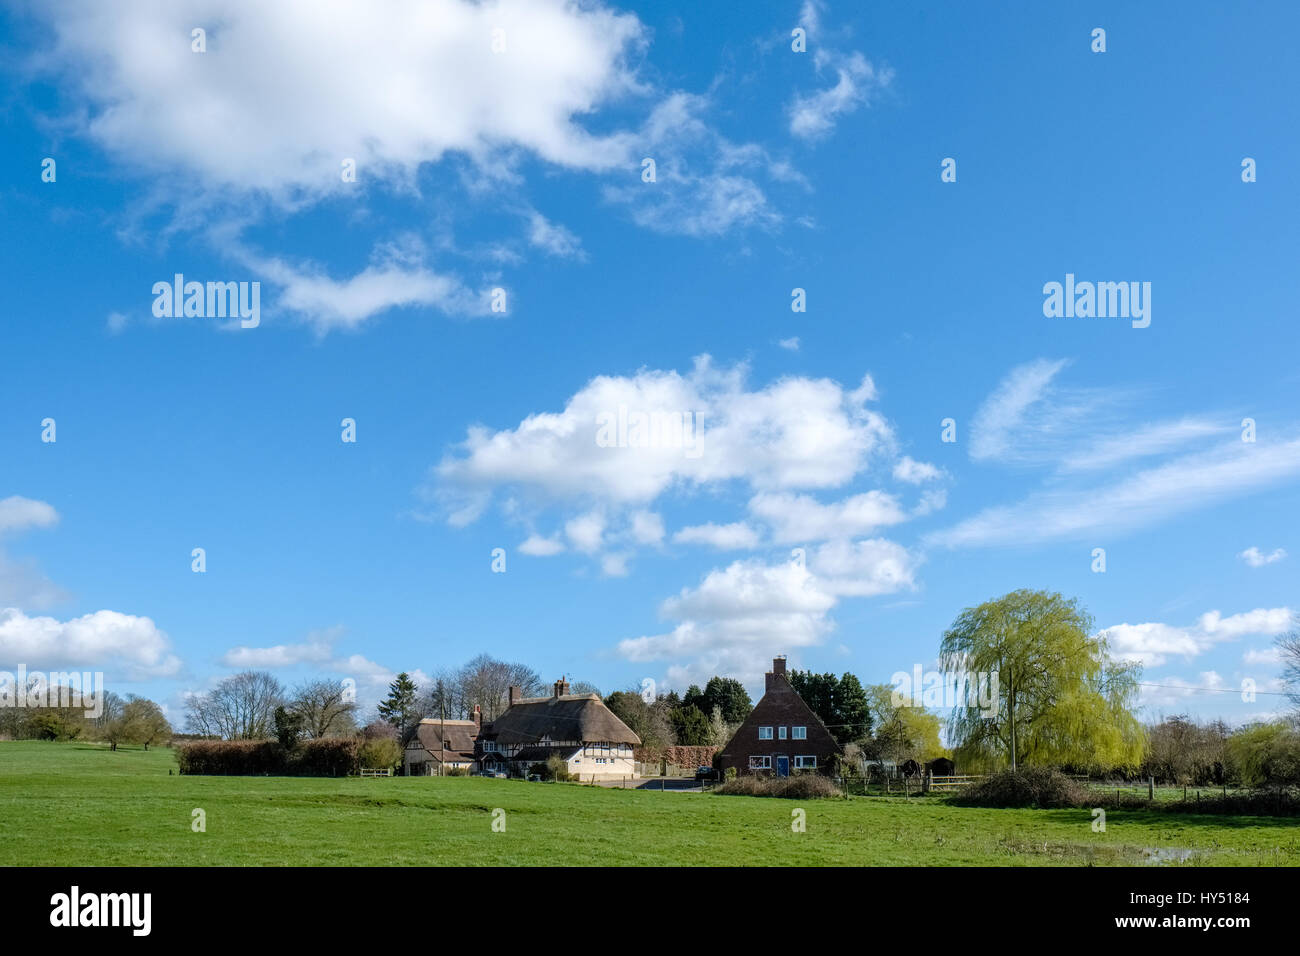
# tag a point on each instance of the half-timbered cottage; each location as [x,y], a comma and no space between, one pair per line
[579,728]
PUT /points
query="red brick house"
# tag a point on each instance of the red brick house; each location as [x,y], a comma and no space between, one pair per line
[781,735]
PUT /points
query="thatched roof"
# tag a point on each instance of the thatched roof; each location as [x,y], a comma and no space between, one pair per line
[458,734]
[581,717]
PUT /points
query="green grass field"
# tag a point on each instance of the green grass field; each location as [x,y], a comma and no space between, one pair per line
[79,804]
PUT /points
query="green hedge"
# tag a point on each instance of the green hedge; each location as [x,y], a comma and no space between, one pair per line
[326,757]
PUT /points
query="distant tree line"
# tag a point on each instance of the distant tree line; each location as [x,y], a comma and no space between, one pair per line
[120,720]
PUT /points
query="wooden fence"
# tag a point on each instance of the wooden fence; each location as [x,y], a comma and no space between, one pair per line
[386,772]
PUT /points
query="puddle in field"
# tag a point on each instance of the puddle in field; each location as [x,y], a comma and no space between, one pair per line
[1163,856]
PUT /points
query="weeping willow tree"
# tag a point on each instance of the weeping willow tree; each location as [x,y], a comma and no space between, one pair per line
[1060,699]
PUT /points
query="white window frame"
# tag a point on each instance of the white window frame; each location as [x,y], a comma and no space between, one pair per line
[798,733]
[781,732]
[489,746]
[808,762]
[760,763]
[764,733]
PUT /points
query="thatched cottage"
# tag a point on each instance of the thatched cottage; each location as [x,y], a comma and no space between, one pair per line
[442,745]
[578,728]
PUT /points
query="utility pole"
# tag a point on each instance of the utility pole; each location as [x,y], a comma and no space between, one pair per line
[1011,712]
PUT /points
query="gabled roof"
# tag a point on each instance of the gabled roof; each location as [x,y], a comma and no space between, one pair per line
[581,717]
[458,734]
[780,694]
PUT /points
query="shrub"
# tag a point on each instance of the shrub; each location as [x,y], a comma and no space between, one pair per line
[54,725]
[327,757]
[380,753]
[553,769]
[804,786]
[677,756]
[231,757]
[1026,787]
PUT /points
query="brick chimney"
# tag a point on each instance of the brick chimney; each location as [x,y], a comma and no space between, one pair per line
[561,687]
[514,696]
[478,718]
[778,670]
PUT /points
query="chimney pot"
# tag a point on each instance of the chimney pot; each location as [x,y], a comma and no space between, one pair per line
[778,670]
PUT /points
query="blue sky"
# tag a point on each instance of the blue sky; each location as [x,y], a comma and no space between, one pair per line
[522,170]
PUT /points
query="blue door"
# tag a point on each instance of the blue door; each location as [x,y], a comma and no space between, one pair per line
[783,766]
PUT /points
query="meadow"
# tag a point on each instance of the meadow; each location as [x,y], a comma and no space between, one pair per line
[78,804]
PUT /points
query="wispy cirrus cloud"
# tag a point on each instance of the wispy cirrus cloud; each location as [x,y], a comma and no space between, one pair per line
[1145,441]
[1139,499]
[1000,425]
[1031,419]
[855,80]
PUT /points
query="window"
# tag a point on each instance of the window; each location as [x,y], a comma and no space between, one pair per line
[760,763]
[805,763]
[798,733]
[781,733]
[489,746]
[764,733]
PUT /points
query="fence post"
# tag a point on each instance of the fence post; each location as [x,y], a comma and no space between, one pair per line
[1151,788]
[928,782]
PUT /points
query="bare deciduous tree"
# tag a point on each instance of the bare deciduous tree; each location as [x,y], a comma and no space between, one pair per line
[241,707]
[1288,646]
[324,708]
[486,681]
